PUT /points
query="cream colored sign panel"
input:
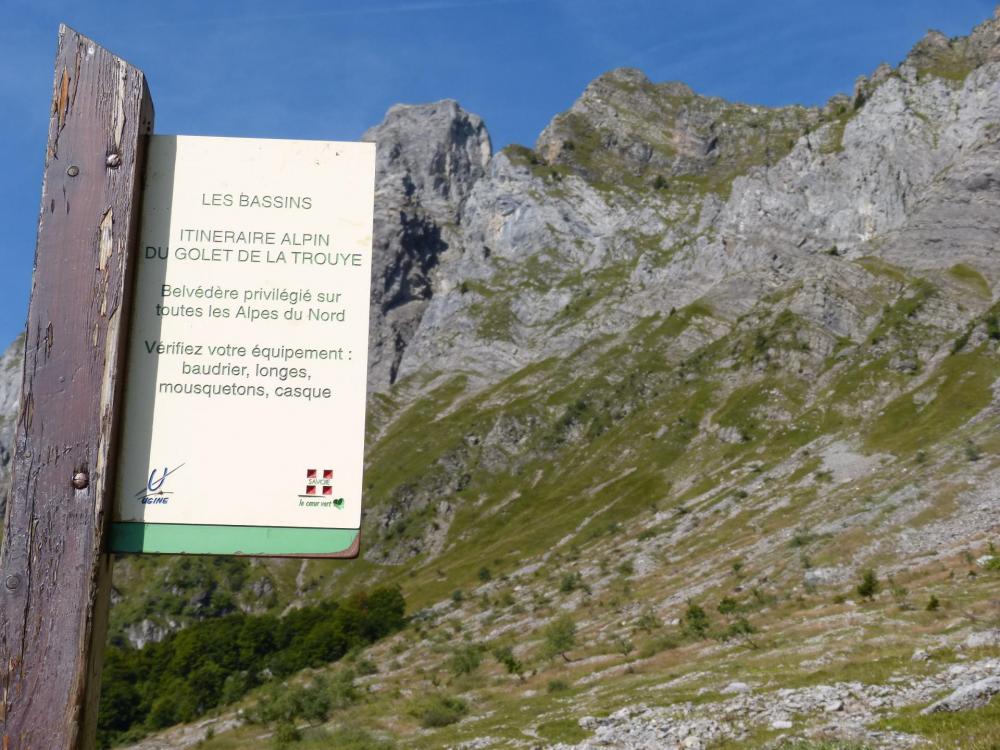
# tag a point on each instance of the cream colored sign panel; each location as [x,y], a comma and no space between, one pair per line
[245,390]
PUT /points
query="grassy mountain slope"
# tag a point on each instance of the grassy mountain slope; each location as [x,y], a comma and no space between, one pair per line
[759,474]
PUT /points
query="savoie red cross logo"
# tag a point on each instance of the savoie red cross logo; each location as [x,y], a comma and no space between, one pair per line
[314,481]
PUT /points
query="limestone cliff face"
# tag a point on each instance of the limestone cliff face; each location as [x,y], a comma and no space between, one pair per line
[428,158]
[665,197]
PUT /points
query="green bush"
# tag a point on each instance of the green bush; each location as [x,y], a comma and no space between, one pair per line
[802,538]
[993,326]
[505,656]
[622,644]
[285,734]
[869,587]
[342,691]
[899,592]
[656,645]
[356,738]
[695,622]
[570,582]
[465,660]
[364,666]
[972,452]
[740,628]
[235,687]
[438,710]
[648,621]
[169,708]
[727,605]
[284,703]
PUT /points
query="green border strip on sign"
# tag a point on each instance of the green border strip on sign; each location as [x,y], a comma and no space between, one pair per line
[203,539]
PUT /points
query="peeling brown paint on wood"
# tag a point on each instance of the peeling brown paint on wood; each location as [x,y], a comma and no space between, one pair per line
[54,621]
[62,102]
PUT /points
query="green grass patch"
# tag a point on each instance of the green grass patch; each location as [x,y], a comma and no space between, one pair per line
[879,267]
[971,278]
[496,319]
[958,390]
[834,142]
[976,729]
[562,730]
[950,64]
[898,317]
[745,409]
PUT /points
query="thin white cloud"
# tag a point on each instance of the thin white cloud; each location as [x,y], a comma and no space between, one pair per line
[425,6]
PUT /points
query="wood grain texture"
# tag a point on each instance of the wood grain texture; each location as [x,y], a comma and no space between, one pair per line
[54,576]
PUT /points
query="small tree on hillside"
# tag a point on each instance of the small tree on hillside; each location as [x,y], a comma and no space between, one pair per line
[560,637]
[465,660]
[869,586]
[513,665]
[695,622]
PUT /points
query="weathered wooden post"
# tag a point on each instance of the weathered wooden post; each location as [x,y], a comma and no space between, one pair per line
[54,570]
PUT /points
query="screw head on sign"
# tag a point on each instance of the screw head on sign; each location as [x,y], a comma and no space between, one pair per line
[81,480]
[73,171]
[12,582]
[113,160]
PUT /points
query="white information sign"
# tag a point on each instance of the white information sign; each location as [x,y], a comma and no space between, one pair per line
[245,390]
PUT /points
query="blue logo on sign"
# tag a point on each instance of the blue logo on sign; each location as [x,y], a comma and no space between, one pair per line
[153,493]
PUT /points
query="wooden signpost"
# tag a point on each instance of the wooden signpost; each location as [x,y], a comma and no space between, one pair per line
[55,575]
[240,428]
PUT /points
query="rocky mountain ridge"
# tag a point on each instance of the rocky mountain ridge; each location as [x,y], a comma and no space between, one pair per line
[738,186]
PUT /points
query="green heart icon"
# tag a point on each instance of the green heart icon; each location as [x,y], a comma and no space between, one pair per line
[339,502]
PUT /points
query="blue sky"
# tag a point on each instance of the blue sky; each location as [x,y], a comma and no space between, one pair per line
[329,70]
